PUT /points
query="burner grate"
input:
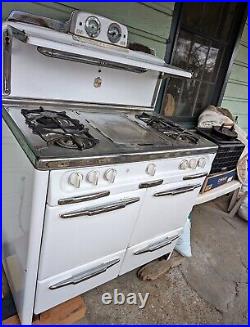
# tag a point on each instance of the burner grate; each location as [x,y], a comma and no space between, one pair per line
[59,129]
[168,128]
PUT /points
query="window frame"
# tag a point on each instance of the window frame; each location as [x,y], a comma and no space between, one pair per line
[170,49]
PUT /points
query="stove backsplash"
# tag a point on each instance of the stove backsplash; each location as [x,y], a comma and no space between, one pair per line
[35,75]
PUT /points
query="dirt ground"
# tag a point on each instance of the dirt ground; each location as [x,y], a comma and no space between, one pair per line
[208,288]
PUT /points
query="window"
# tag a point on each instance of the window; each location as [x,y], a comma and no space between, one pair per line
[204,43]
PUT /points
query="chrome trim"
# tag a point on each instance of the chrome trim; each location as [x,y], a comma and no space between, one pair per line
[7,46]
[86,275]
[158,245]
[177,191]
[100,209]
[19,101]
[185,178]
[58,54]
[82,198]
[8,35]
[151,183]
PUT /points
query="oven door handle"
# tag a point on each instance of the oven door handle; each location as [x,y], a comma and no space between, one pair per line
[158,245]
[177,191]
[82,198]
[185,178]
[151,183]
[90,273]
[101,209]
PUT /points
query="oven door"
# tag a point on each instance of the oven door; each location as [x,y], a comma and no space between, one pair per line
[77,234]
[165,209]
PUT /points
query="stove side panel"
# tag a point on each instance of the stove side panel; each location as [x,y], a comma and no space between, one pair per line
[24,197]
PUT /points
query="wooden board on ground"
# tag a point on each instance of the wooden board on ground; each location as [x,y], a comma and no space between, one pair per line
[63,314]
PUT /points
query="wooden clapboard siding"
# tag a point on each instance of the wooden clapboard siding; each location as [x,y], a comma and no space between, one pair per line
[148,23]
[236,93]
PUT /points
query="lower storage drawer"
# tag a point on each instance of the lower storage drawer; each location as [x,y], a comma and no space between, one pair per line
[62,287]
[144,252]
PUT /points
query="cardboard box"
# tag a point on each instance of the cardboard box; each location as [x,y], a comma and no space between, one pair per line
[214,180]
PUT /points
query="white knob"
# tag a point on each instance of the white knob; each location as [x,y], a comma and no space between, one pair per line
[75,179]
[151,169]
[192,163]
[92,177]
[110,175]
[183,165]
[202,162]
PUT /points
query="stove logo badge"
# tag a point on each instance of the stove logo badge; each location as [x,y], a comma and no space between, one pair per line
[97,82]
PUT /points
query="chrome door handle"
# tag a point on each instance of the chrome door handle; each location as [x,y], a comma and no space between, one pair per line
[87,197]
[185,178]
[86,275]
[151,183]
[158,245]
[177,191]
[100,209]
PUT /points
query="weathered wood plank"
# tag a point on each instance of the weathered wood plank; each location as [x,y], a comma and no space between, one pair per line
[242,55]
[239,74]
[236,91]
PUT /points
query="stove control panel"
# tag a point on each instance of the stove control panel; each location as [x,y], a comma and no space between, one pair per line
[98,28]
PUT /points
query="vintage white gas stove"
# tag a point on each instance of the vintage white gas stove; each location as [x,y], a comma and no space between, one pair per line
[94,183]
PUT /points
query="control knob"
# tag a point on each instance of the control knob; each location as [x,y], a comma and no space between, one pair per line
[183,165]
[202,162]
[193,163]
[151,169]
[110,175]
[75,179]
[92,177]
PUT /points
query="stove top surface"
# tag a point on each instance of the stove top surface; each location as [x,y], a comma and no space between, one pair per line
[70,136]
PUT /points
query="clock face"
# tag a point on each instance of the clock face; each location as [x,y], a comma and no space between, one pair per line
[114,33]
[92,26]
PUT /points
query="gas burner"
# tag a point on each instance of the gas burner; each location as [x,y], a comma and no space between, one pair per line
[58,128]
[168,128]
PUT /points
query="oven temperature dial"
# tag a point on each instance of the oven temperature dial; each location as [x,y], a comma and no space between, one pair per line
[75,179]
[151,169]
[110,175]
[93,177]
